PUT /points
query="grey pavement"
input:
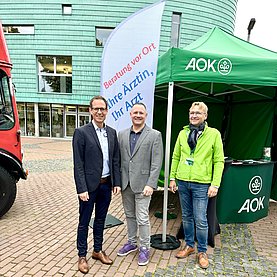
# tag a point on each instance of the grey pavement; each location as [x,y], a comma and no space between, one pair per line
[38,234]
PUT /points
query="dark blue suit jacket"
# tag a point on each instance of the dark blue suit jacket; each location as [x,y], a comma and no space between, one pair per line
[88,158]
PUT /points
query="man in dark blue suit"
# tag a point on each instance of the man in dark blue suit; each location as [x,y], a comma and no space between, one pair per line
[97,174]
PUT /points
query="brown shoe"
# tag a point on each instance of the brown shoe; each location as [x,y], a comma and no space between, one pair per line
[83,265]
[101,256]
[185,252]
[203,260]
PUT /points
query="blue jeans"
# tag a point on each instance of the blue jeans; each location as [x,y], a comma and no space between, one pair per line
[100,198]
[194,202]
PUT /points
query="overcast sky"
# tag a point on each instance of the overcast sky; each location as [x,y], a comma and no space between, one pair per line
[264,32]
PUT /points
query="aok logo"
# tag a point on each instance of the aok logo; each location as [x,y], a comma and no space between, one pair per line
[255,204]
[255,185]
[224,66]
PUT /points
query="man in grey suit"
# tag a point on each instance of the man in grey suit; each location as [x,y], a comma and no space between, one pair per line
[141,150]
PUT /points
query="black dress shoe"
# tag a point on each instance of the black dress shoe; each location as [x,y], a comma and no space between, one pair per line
[83,265]
[101,256]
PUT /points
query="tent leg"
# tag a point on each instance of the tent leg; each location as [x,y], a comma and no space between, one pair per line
[166,242]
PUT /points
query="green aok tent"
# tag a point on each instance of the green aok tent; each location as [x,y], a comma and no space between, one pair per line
[238,82]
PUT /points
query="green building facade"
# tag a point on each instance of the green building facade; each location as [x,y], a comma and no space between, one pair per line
[56,48]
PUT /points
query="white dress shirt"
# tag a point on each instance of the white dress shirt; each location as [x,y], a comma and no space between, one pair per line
[103,139]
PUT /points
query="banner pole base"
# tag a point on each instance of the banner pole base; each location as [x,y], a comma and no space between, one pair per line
[171,242]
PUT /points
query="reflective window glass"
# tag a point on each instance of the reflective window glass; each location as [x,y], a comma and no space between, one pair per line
[6,109]
[83,109]
[102,34]
[67,9]
[46,64]
[57,120]
[175,29]
[16,29]
[44,120]
[55,74]
[83,120]
[70,124]
[70,108]
[30,111]
[21,115]
[64,65]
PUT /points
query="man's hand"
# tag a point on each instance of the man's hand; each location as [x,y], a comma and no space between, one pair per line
[212,191]
[116,190]
[172,186]
[147,191]
[84,196]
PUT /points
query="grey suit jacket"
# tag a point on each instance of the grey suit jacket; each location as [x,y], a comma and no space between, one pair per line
[143,166]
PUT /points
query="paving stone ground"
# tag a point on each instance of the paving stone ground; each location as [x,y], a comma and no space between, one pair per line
[38,234]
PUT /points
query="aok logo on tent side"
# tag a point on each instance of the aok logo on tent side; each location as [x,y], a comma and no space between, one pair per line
[224,66]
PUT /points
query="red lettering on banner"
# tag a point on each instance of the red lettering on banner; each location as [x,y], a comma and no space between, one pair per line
[145,51]
[136,59]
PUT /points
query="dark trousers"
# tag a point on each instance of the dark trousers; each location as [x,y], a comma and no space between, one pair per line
[100,198]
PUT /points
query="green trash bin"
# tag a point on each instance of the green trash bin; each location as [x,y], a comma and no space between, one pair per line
[244,193]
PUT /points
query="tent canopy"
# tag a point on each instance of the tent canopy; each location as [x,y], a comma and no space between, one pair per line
[218,64]
[238,82]
[219,57]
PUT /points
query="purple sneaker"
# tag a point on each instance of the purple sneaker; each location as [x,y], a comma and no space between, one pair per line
[127,249]
[143,258]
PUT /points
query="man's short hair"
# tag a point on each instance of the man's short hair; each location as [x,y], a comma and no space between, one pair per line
[201,105]
[140,104]
[98,97]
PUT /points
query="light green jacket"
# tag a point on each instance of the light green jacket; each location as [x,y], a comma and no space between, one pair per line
[207,159]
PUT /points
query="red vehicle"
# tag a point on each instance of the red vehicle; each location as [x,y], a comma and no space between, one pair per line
[11,169]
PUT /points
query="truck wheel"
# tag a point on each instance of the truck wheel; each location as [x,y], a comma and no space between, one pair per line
[7,191]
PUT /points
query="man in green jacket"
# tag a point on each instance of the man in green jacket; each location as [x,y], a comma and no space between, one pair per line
[197,165]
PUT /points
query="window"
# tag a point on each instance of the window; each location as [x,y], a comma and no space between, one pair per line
[83,109]
[71,109]
[83,115]
[22,117]
[175,29]
[55,74]
[30,119]
[57,120]
[44,120]
[19,29]
[70,120]
[102,34]
[6,106]
[67,9]
[26,115]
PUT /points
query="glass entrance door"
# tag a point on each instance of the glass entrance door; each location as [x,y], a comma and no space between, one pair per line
[83,120]
[70,124]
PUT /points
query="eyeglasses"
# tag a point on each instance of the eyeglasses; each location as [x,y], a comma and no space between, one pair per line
[99,109]
[196,113]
